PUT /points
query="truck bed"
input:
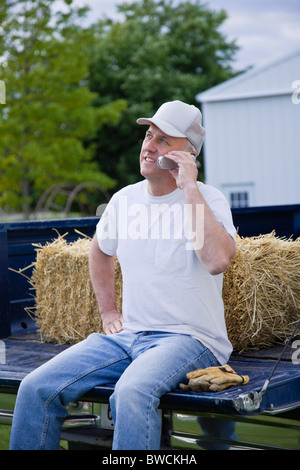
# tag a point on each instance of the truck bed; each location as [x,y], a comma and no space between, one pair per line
[21,352]
[25,352]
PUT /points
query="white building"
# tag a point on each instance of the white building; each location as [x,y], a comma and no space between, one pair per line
[252,145]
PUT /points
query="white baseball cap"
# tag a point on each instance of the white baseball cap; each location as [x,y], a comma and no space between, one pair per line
[179,119]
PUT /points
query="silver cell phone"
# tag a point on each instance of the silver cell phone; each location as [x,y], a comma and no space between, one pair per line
[166,163]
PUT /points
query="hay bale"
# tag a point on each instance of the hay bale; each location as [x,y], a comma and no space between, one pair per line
[261,291]
[66,309]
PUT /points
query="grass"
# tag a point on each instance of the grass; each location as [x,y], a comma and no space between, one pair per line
[258,431]
[4,437]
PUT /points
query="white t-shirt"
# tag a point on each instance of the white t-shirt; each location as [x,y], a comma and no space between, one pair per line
[165,286]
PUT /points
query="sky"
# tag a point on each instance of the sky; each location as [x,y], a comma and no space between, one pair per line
[265,30]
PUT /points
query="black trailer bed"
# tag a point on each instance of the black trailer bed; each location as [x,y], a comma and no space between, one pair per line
[25,353]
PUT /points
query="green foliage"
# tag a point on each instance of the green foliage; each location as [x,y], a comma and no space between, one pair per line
[73,94]
[49,118]
[160,51]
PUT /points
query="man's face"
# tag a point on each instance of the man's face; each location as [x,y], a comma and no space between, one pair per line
[155,144]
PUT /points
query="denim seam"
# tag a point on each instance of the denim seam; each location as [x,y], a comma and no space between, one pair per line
[135,339]
[204,352]
[156,394]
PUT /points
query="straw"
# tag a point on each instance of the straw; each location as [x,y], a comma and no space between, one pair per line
[66,309]
[261,291]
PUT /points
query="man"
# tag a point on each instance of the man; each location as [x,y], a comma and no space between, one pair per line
[173,237]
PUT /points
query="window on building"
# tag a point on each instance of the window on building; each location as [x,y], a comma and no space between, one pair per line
[239,199]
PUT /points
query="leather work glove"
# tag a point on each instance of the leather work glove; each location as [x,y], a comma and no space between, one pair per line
[213,379]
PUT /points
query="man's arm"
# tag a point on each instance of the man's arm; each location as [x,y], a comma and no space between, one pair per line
[102,273]
[218,248]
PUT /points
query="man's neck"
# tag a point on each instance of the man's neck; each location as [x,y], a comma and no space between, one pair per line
[157,189]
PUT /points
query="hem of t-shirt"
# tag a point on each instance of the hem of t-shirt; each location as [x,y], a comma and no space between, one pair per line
[104,250]
[220,357]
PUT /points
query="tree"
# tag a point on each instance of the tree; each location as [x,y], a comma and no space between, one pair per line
[160,51]
[49,118]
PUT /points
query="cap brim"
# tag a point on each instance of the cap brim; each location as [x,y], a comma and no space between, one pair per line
[162,125]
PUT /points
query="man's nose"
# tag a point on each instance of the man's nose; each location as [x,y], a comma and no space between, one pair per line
[150,145]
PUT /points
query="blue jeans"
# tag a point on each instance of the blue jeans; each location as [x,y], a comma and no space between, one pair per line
[143,366]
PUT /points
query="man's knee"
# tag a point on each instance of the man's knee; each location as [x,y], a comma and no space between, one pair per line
[34,386]
[126,389]
[134,394]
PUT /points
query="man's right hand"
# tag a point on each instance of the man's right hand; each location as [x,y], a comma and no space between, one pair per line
[112,321]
